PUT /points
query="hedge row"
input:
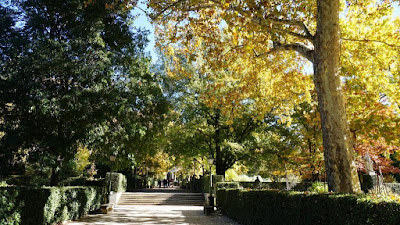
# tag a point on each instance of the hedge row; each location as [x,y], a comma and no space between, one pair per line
[118,182]
[228,185]
[206,183]
[52,205]
[274,207]
[303,186]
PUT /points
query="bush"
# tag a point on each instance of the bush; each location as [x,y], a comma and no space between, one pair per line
[73,181]
[318,187]
[36,206]
[367,183]
[118,182]
[206,183]
[227,185]
[9,207]
[294,208]
[3,184]
[303,186]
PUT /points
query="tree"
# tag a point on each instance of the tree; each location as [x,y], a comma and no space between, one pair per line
[198,130]
[80,66]
[265,29]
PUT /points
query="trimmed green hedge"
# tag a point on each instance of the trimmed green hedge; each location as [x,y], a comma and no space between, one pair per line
[206,183]
[52,205]
[118,182]
[228,185]
[303,186]
[274,207]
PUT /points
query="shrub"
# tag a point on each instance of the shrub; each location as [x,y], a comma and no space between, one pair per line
[303,186]
[318,187]
[36,206]
[227,185]
[118,182]
[3,184]
[206,182]
[294,208]
[9,207]
[367,183]
[73,181]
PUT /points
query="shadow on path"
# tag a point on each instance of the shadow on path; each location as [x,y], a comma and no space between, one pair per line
[155,214]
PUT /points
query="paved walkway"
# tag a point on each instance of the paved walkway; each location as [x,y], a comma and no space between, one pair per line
[177,210]
[155,214]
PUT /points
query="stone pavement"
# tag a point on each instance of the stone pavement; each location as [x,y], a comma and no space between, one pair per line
[155,214]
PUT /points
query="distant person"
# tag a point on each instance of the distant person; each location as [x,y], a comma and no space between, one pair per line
[165,183]
[159,183]
[257,183]
[168,178]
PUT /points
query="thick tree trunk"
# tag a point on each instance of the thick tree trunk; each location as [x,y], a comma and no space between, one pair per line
[338,152]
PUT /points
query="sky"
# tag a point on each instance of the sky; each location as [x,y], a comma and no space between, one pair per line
[144,22]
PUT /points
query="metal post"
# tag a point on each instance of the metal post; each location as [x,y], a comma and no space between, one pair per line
[210,161]
[112,159]
[211,198]
[109,183]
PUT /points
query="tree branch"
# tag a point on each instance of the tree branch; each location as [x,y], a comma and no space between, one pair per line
[368,40]
[304,50]
[165,9]
[299,24]
[268,22]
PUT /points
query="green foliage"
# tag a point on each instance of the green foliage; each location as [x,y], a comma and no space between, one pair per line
[73,181]
[227,185]
[3,184]
[367,183]
[36,206]
[82,158]
[318,187]
[206,182]
[9,207]
[81,76]
[118,182]
[273,207]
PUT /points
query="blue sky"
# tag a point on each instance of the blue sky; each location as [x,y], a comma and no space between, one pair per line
[143,21]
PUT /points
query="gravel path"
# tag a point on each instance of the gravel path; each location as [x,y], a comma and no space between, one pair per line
[155,214]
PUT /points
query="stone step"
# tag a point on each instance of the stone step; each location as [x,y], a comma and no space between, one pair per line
[161,198]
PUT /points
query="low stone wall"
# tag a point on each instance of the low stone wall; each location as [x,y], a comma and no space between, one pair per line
[395,187]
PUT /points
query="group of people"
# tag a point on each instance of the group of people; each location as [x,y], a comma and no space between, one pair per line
[165,183]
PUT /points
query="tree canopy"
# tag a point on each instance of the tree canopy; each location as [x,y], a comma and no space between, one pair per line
[252,37]
[79,74]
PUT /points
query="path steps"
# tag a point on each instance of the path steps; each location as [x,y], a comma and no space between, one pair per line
[162,198]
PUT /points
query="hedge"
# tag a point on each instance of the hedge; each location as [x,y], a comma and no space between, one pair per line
[228,185]
[303,186]
[49,205]
[206,183]
[294,208]
[118,182]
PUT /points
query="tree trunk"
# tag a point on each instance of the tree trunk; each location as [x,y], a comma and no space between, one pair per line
[219,162]
[220,167]
[54,178]
[338,153]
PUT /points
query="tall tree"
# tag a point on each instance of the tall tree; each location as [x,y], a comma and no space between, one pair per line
[80,66]
[264,29]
